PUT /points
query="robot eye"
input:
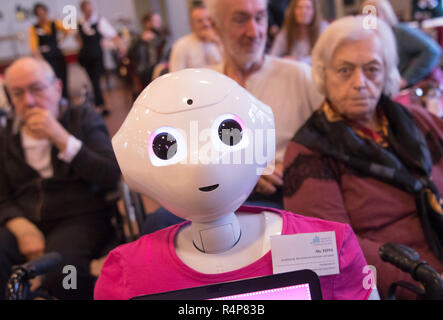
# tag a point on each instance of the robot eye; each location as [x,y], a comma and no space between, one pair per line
[167,146]
[164,146]
[230,132]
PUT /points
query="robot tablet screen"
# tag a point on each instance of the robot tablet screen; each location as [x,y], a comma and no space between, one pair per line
[298,285]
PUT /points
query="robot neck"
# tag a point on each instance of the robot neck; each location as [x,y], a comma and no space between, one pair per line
[216,236]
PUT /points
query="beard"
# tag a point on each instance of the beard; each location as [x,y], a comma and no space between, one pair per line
[246,56]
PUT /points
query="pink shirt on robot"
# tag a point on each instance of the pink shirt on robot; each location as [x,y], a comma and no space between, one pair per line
[151,265]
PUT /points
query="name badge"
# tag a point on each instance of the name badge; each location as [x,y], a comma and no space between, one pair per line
[311,251]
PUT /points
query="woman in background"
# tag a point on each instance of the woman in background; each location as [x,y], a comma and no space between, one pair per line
[302,26]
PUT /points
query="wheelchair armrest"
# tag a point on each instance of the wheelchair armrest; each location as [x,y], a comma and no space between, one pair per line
[407,260]
[135,211]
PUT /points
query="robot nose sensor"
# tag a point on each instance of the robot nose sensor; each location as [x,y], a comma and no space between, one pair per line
[209,189]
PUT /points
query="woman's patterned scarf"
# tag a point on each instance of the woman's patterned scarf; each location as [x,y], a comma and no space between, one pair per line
[405,163]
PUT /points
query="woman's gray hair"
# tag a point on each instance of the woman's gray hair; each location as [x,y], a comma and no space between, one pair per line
[355,28]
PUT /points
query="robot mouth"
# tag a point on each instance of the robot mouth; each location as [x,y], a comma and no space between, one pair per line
[209,189]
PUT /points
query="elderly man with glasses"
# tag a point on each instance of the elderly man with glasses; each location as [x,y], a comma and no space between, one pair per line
[56,165]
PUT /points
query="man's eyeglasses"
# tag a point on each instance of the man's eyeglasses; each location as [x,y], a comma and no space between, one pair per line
[36,89]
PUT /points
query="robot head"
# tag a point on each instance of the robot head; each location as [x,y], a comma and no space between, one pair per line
[196,142]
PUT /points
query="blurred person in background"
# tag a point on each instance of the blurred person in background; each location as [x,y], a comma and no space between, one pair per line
[56,167]
[199,49]
[147,50]
[302,26]
[419,54]
[44,43]
[276,16]
[92,30]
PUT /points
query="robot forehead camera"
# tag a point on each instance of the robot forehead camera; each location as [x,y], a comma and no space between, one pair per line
[186,90]
[196,142]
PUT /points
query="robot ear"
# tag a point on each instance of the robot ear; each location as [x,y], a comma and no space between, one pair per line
[130,165]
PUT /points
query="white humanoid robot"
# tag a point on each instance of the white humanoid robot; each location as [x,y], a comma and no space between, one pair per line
[197,142]
[191,142]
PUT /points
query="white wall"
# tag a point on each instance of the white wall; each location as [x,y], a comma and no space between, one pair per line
[113,10]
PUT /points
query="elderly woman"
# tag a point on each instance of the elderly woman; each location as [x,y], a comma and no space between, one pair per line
[419,54]
[363,159]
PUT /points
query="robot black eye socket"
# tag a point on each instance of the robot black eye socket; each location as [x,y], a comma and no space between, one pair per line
[230,132]
[190,102]
[165,146]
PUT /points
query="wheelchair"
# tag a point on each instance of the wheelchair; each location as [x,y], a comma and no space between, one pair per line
[409,261]
[127,224]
